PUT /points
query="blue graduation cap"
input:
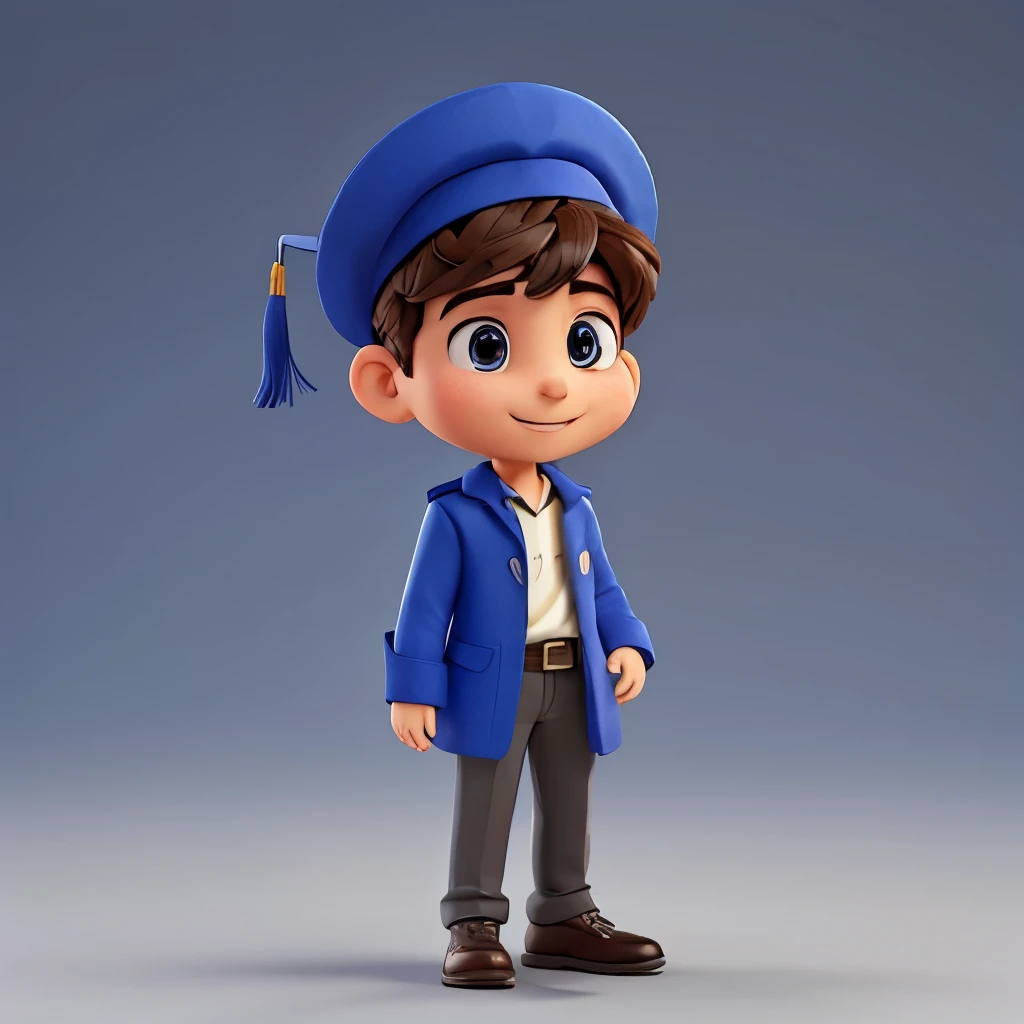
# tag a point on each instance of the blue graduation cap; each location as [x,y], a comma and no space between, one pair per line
[495,144]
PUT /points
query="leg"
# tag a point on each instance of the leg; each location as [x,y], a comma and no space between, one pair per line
[485,797]
[566,931]
[561,763]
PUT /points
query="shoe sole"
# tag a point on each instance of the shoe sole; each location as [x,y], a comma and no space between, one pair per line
[570,963]
[479,979]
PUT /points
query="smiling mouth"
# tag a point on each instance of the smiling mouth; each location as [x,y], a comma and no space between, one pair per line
[543,426]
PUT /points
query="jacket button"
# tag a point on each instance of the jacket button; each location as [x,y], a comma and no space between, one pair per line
[584,562]
[517,569]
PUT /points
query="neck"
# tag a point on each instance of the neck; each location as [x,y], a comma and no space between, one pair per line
[522,477]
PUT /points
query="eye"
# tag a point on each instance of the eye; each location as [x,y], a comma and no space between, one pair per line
[592,343]
[479,345]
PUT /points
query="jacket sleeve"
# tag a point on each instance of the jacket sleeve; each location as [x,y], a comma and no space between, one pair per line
[617,626]
[414,667]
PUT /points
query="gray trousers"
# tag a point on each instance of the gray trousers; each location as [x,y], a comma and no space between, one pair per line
[551,723]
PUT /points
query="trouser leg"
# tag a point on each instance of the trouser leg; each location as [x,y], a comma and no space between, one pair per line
[561,763]
[485,797]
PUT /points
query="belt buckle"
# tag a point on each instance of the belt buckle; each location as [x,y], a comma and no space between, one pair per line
[545,663]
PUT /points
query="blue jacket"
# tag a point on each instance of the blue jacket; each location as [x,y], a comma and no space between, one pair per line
[464,576]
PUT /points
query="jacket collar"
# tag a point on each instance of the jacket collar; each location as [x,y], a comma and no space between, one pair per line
[483,483]
[568,490]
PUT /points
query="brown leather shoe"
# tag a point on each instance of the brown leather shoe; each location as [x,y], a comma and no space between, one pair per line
[590,943]
[475,957]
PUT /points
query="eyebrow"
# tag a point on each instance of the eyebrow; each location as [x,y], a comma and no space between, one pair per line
[590,286]
[500,288]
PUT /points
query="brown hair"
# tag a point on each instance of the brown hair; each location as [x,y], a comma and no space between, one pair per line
[552,239]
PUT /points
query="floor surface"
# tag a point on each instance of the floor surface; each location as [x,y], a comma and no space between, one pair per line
[197,919]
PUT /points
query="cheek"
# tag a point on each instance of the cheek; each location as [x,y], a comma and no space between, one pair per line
[462,408]
[609,398]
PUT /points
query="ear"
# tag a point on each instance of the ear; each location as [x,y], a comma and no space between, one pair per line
[372,378]
[634,369]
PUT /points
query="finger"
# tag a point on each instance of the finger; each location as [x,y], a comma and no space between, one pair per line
[614,664]
[632,692]
[626,683]
[626,680]
[419,740]
[430,722]
[408,736]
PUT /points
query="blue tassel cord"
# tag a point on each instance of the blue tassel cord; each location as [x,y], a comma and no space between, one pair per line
[280,374]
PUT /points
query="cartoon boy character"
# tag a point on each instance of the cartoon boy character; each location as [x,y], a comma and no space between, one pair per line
[489,256]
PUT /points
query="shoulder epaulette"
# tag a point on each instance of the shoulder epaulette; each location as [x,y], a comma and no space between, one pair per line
[451,485]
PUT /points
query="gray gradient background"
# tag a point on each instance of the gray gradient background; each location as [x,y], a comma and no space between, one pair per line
[815,507]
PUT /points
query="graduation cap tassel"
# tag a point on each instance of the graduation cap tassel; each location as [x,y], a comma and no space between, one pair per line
[280,373]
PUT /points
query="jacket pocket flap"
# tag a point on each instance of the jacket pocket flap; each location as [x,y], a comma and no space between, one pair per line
[470,656]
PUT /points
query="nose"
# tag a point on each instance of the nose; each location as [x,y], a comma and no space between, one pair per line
[553,387]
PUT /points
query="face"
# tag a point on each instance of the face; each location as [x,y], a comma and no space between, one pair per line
[508,377]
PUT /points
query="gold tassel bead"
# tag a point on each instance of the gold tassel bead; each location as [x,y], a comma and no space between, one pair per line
[277,279]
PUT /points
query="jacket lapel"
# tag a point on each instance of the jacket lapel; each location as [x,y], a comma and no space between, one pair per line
[482,483]
[568,490]
[575,520]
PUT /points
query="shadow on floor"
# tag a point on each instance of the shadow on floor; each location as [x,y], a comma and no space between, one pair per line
[764,984]
[297,968]
[399,971]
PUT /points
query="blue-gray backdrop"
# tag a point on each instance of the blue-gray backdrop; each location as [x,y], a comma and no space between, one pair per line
[816,506]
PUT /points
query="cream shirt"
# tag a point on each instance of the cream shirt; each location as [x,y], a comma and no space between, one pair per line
[551,609]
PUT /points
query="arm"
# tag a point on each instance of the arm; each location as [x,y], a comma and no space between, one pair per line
[617,626]
[415,672]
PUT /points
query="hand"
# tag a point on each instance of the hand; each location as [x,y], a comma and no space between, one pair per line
[413,724]
[627,661]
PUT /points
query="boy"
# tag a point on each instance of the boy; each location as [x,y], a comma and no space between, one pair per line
[489,256]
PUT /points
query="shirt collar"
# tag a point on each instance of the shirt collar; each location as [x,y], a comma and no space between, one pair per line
[547,495]
[482,482]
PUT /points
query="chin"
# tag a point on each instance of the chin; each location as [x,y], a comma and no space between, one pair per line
[545,447]
[523,444]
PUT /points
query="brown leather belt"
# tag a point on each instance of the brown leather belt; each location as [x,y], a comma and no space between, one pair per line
[551,655]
